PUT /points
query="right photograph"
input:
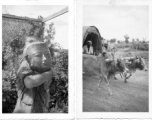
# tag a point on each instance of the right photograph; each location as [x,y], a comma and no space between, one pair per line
[115,58]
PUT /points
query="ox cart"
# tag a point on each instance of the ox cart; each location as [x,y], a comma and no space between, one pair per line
[99,65]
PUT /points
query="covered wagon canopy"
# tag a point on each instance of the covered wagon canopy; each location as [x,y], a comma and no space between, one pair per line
[92,33]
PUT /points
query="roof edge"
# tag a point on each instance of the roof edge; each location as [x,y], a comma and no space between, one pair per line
[20,18]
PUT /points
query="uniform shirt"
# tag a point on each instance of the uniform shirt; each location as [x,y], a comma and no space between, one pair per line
[29,100]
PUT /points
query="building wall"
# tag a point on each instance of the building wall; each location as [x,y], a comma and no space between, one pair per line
[13,27]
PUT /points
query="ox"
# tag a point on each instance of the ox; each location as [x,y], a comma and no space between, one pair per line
[102,67]
[133,64]
[112,47]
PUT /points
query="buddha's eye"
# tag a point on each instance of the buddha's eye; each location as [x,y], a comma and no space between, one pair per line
[46,54]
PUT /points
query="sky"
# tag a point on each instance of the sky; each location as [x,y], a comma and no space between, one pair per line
[33,11]
[117,21]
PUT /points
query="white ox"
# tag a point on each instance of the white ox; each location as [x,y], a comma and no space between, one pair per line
[112,47]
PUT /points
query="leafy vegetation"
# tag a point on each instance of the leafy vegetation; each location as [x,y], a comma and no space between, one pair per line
[134,46]
[112,40]
[59,85]
[126,38]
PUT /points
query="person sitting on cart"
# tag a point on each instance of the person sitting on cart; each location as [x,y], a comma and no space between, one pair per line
[88,48]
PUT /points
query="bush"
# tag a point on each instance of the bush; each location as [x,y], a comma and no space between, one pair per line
[11,59]
[124,45]
[141,46]
[9,100]
[59,86]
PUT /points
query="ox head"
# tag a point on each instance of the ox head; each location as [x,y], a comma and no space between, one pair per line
[141,63]
[138,63]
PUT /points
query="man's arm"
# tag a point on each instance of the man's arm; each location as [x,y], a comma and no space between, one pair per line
[36,80]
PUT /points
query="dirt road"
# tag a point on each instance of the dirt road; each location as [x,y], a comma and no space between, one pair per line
[127,97]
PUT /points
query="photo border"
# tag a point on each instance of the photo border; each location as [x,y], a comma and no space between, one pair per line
[79,97]
[71,68]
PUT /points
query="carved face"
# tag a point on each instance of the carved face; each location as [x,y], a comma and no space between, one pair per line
[39,58]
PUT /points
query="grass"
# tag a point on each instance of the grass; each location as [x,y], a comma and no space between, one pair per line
[139,46]
[128,50]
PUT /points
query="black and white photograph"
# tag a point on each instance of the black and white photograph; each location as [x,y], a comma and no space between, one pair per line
[76,59]
[35,59]
[115,54]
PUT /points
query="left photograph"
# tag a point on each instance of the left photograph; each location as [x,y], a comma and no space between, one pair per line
[35,59]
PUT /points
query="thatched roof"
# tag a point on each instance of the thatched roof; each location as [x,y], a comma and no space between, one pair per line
[93,34]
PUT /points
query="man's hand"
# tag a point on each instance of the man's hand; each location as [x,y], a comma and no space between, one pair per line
[38,79]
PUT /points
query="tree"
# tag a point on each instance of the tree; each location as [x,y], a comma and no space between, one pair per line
[118,41]
[133,40]
[50,34]
[126,38]
[143,40]
[137,40]
[59,85]
[49,37]
[113,40]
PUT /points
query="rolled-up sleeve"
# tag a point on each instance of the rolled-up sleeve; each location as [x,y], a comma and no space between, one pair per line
[23,71]
[24,93]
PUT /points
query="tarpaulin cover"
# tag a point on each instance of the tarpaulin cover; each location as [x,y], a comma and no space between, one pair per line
[99,65]
[93,34]
[92,64]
